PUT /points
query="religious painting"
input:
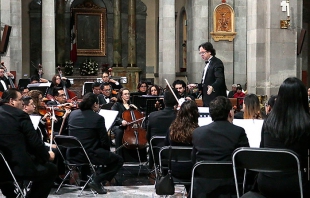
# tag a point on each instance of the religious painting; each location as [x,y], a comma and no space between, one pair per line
[90,29]
[223,23]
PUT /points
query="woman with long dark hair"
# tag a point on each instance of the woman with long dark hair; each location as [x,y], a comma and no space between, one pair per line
[180,134]
[288,127]
[251,108]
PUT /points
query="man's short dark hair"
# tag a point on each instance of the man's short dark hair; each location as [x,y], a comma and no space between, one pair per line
[34,78]
[95,84]
[219,108]
[239,88]
[26,100]
[179,82]
[55,90]
[208,47]
[104,84]
[169,98]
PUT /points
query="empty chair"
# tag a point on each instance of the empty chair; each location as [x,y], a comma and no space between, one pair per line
[8,176]
[267,160]
[180,157]
[70,142]
[156,143]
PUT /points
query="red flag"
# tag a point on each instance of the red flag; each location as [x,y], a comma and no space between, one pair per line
[73,52]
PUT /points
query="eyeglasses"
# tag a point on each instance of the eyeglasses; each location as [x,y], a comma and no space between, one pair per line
[143,86]
[61,95]
[202,53]
[107,90]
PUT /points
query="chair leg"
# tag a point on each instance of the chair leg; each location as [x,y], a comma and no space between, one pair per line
[63,180]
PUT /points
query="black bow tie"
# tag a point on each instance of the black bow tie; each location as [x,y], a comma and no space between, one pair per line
[207,62]
[106,97]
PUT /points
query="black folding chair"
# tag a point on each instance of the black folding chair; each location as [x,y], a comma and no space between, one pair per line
[156,143]
[71,142]
[211,170]
[8,173]
[266,160]
[179,154]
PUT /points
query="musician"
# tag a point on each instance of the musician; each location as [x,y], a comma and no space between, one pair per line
[58,81]
[114,84]
[181,87]
[97,91]
[142,88]
[160,121]
[154,90]
[4,81]
[123,104]
[106,96]
[89,128]
[18,139]
[59,99]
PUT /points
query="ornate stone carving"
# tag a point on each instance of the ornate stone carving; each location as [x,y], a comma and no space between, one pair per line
[223,23]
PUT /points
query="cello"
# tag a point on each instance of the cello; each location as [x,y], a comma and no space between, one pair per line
[134,134]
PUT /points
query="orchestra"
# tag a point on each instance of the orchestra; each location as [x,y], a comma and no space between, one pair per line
[131,130]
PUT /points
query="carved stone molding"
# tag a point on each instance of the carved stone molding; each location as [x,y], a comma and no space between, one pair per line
[223,23]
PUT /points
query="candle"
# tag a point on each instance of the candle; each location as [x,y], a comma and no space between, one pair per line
[288,8]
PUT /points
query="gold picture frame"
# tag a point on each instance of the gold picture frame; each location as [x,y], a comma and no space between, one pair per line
[90,30]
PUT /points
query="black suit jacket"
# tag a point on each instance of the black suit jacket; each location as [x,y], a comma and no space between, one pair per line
[20,143]
[89,128]
[6,81]
[216,142]
[216,78]
[159,122]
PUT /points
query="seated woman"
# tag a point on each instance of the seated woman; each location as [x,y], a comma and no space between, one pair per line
[287,127]
[251,108]
[142,88]
[123,104]
[180,134]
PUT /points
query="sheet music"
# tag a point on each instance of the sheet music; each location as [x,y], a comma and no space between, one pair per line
[35,119]
[252,128]
[109,117]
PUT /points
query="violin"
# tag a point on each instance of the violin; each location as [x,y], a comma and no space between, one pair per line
[134,134]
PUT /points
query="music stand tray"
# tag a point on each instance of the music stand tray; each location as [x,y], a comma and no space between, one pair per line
[43,87]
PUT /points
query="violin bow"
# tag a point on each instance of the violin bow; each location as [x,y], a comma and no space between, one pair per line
[52,127]
[172,92]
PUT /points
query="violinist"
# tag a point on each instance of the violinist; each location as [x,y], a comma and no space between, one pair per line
[113,83]
[97,91]
[180,85]
[123,104]
[89,127]
[4,81]
[59,102]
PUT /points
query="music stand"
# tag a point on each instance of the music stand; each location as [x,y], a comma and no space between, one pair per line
[140,101]
[150,106]
[43,87]
[107,106]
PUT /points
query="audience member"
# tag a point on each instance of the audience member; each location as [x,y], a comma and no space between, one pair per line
[216,142]
[89,128]
[180,134]
[239,94]
[251,108]
[287,127]
[233,91]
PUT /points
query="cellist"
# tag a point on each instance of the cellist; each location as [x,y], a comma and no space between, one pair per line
[123,104]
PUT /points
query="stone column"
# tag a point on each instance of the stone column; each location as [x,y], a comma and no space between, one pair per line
[60,32]
[117,39]
[132,60]
[48,38]
[166,41]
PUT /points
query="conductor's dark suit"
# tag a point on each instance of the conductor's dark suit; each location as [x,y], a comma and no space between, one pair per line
[216,78]
[25,151]
[89,128]
[216,142]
